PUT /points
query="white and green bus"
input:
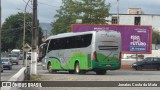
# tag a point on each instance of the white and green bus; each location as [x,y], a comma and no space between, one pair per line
[80,52]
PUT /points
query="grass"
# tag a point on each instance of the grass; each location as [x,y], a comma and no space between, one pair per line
[35,77]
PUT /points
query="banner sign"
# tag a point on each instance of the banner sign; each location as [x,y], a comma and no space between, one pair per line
[38,85]
[135,39]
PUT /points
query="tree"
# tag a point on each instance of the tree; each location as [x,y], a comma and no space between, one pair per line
[90,11]
[95,11]
[12,31]
[155,37]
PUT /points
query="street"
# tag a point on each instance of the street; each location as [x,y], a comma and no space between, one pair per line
[7,74]
[117,75]
[110,37]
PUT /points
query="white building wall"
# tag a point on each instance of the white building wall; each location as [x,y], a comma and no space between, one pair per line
[155,53]
[152,20]
[126,20]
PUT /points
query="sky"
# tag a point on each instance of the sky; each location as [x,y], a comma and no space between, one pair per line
[47,8]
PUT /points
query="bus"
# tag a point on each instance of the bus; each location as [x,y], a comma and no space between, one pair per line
[80,52]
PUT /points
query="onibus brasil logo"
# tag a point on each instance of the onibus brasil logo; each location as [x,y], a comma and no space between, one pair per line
[20,84]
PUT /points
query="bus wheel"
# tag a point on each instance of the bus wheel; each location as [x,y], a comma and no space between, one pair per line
[50,69]
[158,68]
[101,72]
[71,71]
[77,69]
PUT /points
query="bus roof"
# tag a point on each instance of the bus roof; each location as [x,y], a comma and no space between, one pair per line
[69,34]
[75,33]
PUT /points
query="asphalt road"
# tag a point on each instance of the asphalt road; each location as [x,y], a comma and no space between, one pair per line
[7,74]
[117,75]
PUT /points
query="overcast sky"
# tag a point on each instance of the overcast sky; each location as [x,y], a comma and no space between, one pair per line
[47,8]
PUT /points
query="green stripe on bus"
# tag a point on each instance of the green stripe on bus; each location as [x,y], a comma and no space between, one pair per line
[85,62]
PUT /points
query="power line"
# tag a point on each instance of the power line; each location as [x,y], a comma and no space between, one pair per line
[28,4]
[47,4]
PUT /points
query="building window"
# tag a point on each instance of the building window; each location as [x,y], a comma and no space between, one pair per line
[114,20]
[137,20]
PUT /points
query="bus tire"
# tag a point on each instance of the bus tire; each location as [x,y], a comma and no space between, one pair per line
[71,71]
[158,68]
[77,69]
[50,70]
[10,68]
[101,72]
[83,72]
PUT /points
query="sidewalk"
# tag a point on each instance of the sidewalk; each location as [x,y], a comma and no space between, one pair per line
[127,63]
[126,67]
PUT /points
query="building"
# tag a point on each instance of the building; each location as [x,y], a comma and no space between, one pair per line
[135,11]
[135,16]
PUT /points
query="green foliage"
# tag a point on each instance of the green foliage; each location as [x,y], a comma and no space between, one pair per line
[95,11]
[12,31]
[90,11]
[155,37]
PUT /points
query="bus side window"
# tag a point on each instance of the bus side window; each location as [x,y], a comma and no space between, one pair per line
[78,41]
[68,43]
[52,45]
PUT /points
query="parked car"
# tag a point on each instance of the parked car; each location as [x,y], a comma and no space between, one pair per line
[147,63]
[1,67]
[14,58]
[6,63]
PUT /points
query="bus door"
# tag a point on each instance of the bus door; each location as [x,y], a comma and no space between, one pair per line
[42,52]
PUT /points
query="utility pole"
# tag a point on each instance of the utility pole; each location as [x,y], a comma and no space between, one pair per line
[117,11]
[34,42]
[24,29]
[0,33]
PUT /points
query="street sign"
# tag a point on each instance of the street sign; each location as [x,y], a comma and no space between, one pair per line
[26,47]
